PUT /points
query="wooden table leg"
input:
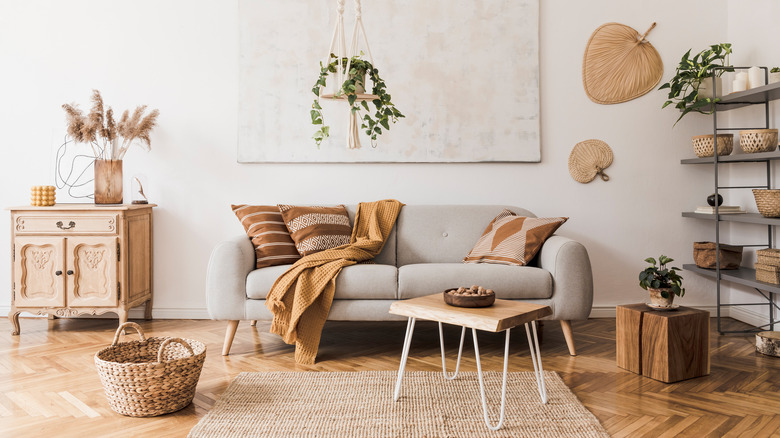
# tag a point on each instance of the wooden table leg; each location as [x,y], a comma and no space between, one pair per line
[13,316]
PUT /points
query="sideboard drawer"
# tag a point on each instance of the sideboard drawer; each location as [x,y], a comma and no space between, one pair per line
[65,223]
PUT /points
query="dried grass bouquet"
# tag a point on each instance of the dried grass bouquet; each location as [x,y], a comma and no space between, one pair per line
[103,133]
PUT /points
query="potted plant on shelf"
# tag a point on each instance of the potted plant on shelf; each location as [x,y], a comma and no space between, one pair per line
[774,75]
[354,84]
[663,283]
[689,89]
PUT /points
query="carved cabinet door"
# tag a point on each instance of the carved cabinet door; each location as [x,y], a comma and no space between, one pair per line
[39,280]
[92,271]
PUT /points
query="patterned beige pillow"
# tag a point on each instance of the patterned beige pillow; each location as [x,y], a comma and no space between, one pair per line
[316,229]
[513,240]
[265,226]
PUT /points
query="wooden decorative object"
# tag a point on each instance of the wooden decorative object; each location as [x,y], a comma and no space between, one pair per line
[619,64]
[666,346]
[468,300]
[108,181]
[153,376]
[758,140]
[704,145]
[73,259]
[589,158]
[768,343]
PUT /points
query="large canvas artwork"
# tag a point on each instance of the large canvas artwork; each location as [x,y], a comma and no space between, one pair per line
[465,74]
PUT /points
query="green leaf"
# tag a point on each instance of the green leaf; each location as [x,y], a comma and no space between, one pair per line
[650,260]
[352,97]
[316,105]
[384,123]
[364,104]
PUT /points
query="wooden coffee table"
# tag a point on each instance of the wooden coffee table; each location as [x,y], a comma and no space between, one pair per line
[501,316]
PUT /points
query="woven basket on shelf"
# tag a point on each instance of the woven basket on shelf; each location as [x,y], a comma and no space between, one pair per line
[703,144]
[153,376]
[768,256]
[704,255]
[758,140]
[768,202]
[768,274]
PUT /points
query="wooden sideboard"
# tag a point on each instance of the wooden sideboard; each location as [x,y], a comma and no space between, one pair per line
[73,259]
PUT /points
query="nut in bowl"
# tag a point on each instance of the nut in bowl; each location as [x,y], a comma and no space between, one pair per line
[474,296]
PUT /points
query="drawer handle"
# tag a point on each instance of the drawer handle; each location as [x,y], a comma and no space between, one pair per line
[58,273]
[71,224]
[69,272]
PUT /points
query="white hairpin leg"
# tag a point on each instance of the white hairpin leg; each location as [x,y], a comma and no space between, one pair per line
[404,356]
[536,358]
[460,352]
[482,385]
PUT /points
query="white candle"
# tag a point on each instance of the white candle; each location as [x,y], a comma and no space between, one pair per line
[742,75]
[738,84]
[755,77]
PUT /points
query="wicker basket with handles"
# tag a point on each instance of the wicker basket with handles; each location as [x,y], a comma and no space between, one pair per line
[768,202]
[703,145]
[151,376]
[758,140]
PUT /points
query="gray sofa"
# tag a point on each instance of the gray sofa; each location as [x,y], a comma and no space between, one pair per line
[423,255]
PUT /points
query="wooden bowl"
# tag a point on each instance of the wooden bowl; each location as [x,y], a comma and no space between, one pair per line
[469,300]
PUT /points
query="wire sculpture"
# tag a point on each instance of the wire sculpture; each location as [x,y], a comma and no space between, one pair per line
[75,178]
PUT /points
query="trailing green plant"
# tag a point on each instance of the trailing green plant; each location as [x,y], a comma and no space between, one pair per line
[658,276]
[385,111]
[775,70]
[692,71]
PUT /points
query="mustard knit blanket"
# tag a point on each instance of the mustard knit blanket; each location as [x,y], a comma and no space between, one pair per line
[300,299]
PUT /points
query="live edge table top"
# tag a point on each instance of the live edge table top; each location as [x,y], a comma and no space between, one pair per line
[502,315]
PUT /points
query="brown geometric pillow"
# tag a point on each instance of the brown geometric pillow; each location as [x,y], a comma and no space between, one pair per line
[272,241]
[513,240]
[316,229]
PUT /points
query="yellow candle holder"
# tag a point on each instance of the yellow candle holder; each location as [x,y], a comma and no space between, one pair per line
[42,196]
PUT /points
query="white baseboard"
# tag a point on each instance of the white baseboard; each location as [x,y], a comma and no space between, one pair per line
[138,313]
[748,316]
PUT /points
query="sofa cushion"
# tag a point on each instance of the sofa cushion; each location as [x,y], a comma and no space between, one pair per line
[315,228]
[356,282]
[442,233]
[513,240]
[509,282]
[270,237]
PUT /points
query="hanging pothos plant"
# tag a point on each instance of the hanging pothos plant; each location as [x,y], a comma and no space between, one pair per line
[385,113]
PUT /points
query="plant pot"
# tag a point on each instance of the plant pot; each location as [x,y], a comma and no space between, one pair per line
[705,88]
[657,299]
[360,89]
[774,77]
[108,181]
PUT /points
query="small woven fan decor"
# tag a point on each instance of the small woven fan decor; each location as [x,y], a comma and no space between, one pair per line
[588,159]
[619,64]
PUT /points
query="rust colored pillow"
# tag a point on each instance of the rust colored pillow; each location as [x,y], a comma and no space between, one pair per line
[316,229]
[513,240]
[265,226]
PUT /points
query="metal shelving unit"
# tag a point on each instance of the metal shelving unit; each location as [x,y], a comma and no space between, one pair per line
[744,276]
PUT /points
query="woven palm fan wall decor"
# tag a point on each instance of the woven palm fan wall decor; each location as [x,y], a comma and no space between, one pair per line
[620,64]
[589,158]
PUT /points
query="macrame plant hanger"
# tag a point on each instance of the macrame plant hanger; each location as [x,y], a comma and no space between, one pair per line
[338,47]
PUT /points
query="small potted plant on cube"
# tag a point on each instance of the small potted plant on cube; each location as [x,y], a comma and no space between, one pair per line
[663,283]
[774,75]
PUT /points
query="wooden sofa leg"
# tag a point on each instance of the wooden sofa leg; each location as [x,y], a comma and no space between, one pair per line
[566,327]
[253,323]
[229,334]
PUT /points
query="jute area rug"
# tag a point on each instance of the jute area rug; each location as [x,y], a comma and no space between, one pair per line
[360,404]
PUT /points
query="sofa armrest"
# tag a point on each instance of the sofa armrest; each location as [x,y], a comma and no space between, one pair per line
[568,262]
[231,261]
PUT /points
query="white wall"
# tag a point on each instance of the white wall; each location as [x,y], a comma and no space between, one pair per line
[181,57]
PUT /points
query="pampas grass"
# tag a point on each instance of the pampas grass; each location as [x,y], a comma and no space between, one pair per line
[102,132]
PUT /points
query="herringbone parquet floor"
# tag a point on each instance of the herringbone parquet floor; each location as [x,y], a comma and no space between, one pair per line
[49,386]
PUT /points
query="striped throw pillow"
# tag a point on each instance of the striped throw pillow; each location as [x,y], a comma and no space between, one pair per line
[272,241]
[316,229]
[513,240]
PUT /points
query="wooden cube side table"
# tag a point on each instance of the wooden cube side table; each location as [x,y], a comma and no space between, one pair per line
[664,345]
